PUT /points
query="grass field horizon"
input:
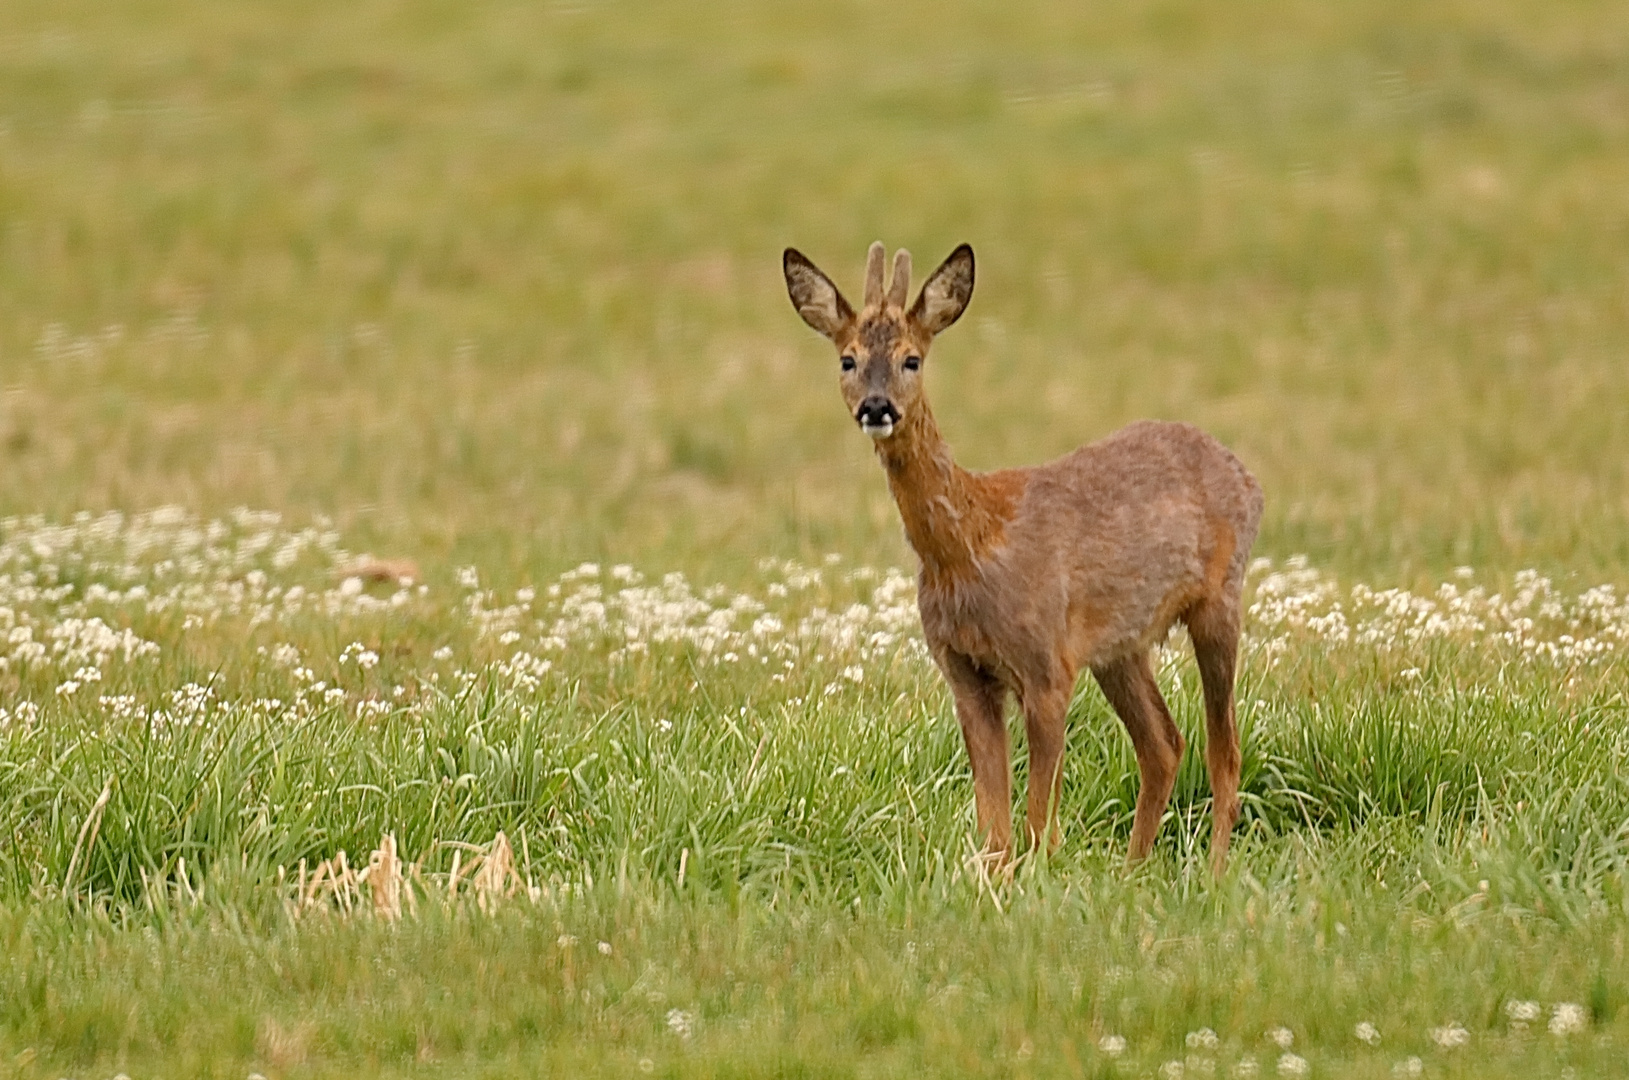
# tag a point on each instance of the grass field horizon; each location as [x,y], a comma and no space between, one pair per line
[407,450]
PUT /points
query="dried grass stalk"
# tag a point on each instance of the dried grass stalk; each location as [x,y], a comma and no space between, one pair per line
[384,877]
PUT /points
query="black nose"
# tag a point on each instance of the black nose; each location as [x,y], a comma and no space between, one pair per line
[875,411]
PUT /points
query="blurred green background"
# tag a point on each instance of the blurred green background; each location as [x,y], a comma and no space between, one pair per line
[501,281]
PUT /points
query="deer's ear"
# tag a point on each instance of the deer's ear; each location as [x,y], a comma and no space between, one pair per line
[945,294]
[813,294]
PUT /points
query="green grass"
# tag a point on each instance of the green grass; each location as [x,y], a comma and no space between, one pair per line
[497,286]
[755,798]
[815,990]
[502,280]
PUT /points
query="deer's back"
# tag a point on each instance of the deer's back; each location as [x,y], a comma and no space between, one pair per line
[1151,482]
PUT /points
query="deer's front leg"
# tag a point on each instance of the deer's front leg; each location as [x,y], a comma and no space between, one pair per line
[981,704]
[1045,714]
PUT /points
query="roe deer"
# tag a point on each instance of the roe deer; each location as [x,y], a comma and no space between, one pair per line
[1028,575]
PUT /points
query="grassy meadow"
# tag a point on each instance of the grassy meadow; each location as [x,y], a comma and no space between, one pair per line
[448,625]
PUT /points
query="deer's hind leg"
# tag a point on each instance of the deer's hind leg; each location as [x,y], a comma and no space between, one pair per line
[981,709]
[1129,685]
[1214,627]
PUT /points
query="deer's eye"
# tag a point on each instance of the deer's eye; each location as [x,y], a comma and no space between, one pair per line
[848,363]
[912,363]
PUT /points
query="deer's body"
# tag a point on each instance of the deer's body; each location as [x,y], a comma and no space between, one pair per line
[1029,575]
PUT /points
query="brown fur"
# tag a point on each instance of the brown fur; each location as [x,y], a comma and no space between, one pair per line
[1029,575]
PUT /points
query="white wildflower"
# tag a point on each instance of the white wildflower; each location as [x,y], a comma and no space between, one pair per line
[1203,1039]
[358,653]
[1282,1037]
[1293,1065]
[681,1023]
[605,948]
[118,706]
[1367,1033]
[1112,1045]
[1409,1066]
[523,671]
[1450,1036]
[1568,1018]
[1522,1013]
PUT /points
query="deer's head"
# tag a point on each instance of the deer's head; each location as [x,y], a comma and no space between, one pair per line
[883,347]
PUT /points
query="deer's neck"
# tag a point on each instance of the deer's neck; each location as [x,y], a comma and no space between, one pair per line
[953,518]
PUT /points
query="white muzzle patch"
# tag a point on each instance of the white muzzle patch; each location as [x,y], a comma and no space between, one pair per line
[879,431]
